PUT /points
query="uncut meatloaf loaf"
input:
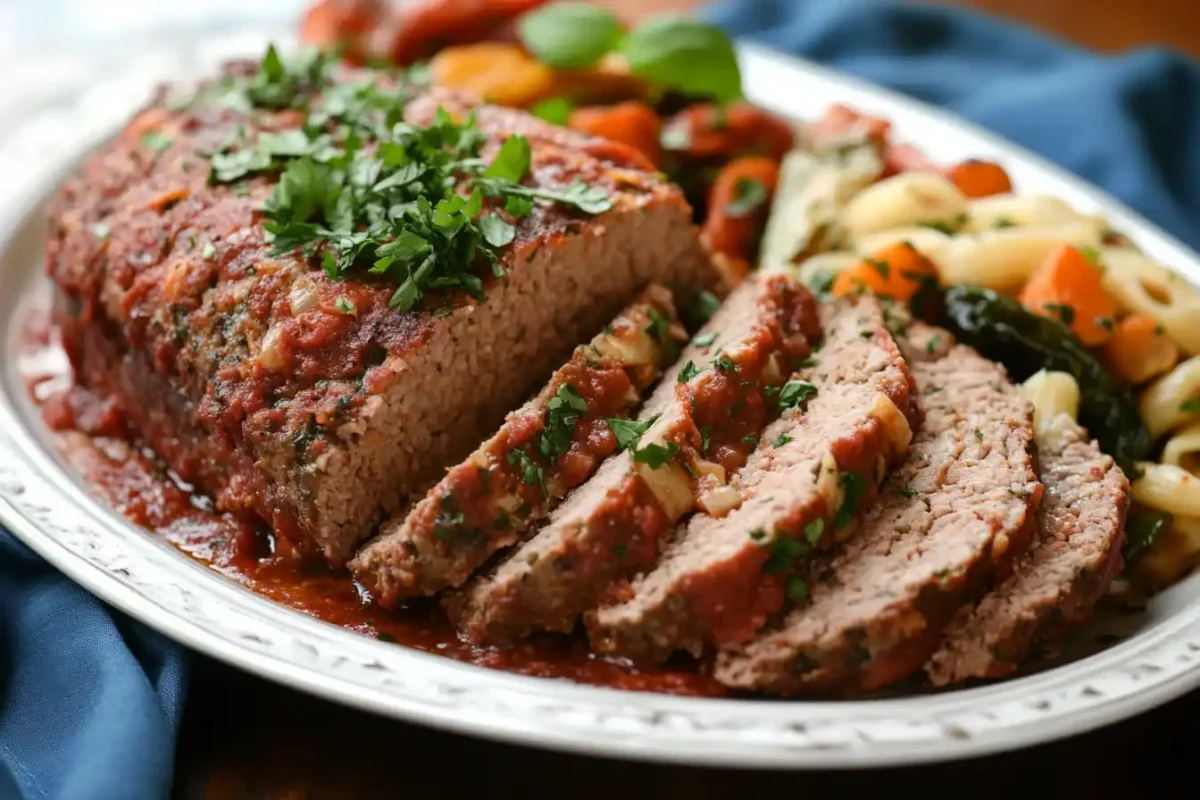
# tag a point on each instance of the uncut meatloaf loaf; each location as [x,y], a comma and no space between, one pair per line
[542,451]
[957,511]
[306,401]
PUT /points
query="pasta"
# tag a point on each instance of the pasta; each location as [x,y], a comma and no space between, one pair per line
[1011,210]
[824,266]
[931,242]
[1161,404]
[1165,487]
[1173,554]
[1183,449]
[1054,395]
[1139,284]
[910,198]
[1004,259]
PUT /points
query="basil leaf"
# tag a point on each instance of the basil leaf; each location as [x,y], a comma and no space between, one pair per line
[684,54]
[570,35]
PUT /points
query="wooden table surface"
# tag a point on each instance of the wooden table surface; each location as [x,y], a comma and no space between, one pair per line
[244,738]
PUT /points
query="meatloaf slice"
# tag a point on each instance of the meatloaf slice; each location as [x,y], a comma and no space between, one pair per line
[721,577]
[961,503]
[542,451]
[702,422]
[1073,559]
[304,400]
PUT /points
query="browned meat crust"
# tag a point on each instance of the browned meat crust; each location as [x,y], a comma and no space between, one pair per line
[608,529]
[282,405]
[960,504]
[542,451]
[1069,567]
[720,578]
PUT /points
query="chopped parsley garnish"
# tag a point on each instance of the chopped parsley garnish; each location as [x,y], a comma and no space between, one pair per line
[346,305]
[949,228]
[688,372]
[795,393]
[619,550]
[907,492]
[797,590]
[655,455]
[781,440]
[820,281]
[854,489]
[1106,323]
[724,363]
[880,266]
[932,345]
[758,534]
[1191,406]
[414,207]
[628,431]
[704,339]
[158,142]
[978,435]
[1063,312]
[1004,222]
[784,552]
[531,472]
[562,414]
[1091,254]
[501,522]
[705,438]
[813,530]
[659,327]
[750,439]
[748,196]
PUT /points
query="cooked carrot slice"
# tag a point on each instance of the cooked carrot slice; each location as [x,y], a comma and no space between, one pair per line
[1068,287]
[738,204]
[976,178]
[632,123]
[500,72]
[709,131]
[897,271]
[1139,349]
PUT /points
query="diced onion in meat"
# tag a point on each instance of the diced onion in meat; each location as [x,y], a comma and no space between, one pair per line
[895,424]
[720,501]
[827,483]
[303,296]
[641,349]
[670,486]
[270,354]
[706,469]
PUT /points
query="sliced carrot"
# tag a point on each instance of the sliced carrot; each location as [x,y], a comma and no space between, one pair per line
[349,23]
[976,178]
[1068,287]
[632,123]
[897,271]
[705,130]
[1139,349]
[499,72]
[738,204]
[424,26]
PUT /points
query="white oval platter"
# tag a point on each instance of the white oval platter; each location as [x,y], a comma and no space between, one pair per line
[47,507]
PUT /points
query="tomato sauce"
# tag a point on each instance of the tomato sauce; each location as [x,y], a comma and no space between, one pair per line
[134,481]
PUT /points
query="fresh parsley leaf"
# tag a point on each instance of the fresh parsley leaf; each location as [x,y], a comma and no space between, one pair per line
[562,414]
[1064,312]
[688,372]
[569,35]
[555,110]
[854,489]
[749,195]
[531,472]
[705,438]
[724,363]
[795,393]
[784,553]
[781,440]
[797,590]
[496,231]
[628,431]
[659,326]
[346,305]
[518,206]
[655,455]
[907,492]
[813,530]
[512,161]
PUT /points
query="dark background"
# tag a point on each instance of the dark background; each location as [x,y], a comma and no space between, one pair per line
[244,738]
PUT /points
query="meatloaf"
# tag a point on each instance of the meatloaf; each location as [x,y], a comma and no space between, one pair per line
[305,400]
[849,418]
[700,424]
[1073,559]
[542,451]
[960,504]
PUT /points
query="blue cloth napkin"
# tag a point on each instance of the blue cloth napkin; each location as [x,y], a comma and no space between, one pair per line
[90,701]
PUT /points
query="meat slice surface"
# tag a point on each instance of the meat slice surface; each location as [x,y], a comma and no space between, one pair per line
[701,423]
[542,451]
[269,396]
[721,576]
[959,508]
[1073,560]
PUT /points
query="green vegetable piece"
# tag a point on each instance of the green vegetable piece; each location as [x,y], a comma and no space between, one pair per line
[1002,330]
[655,455]
[555,110]
[628,431]
[748,196]
[686,55]
[854,489]
[1142,527]
[570,35]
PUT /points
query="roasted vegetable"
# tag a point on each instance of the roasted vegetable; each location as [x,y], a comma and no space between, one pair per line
[1142,526]
[999,328]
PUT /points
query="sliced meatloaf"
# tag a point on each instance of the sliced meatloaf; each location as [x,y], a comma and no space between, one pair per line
[720,577]
[701,423]
[960,504]
[306,400]
[542,451]
[1073,559]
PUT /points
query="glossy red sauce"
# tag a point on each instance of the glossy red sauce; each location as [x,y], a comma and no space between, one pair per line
[134,482]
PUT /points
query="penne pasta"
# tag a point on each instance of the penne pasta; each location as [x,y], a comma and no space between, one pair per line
[931,242]
[1004,259]
[1183,449]
[1013,210]
[1161,405]
[823,267]
[910,198]
[1165,487]
[1055,396]
[1138,284]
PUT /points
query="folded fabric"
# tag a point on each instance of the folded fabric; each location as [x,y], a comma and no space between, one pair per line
[90,701]
[1128,123]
